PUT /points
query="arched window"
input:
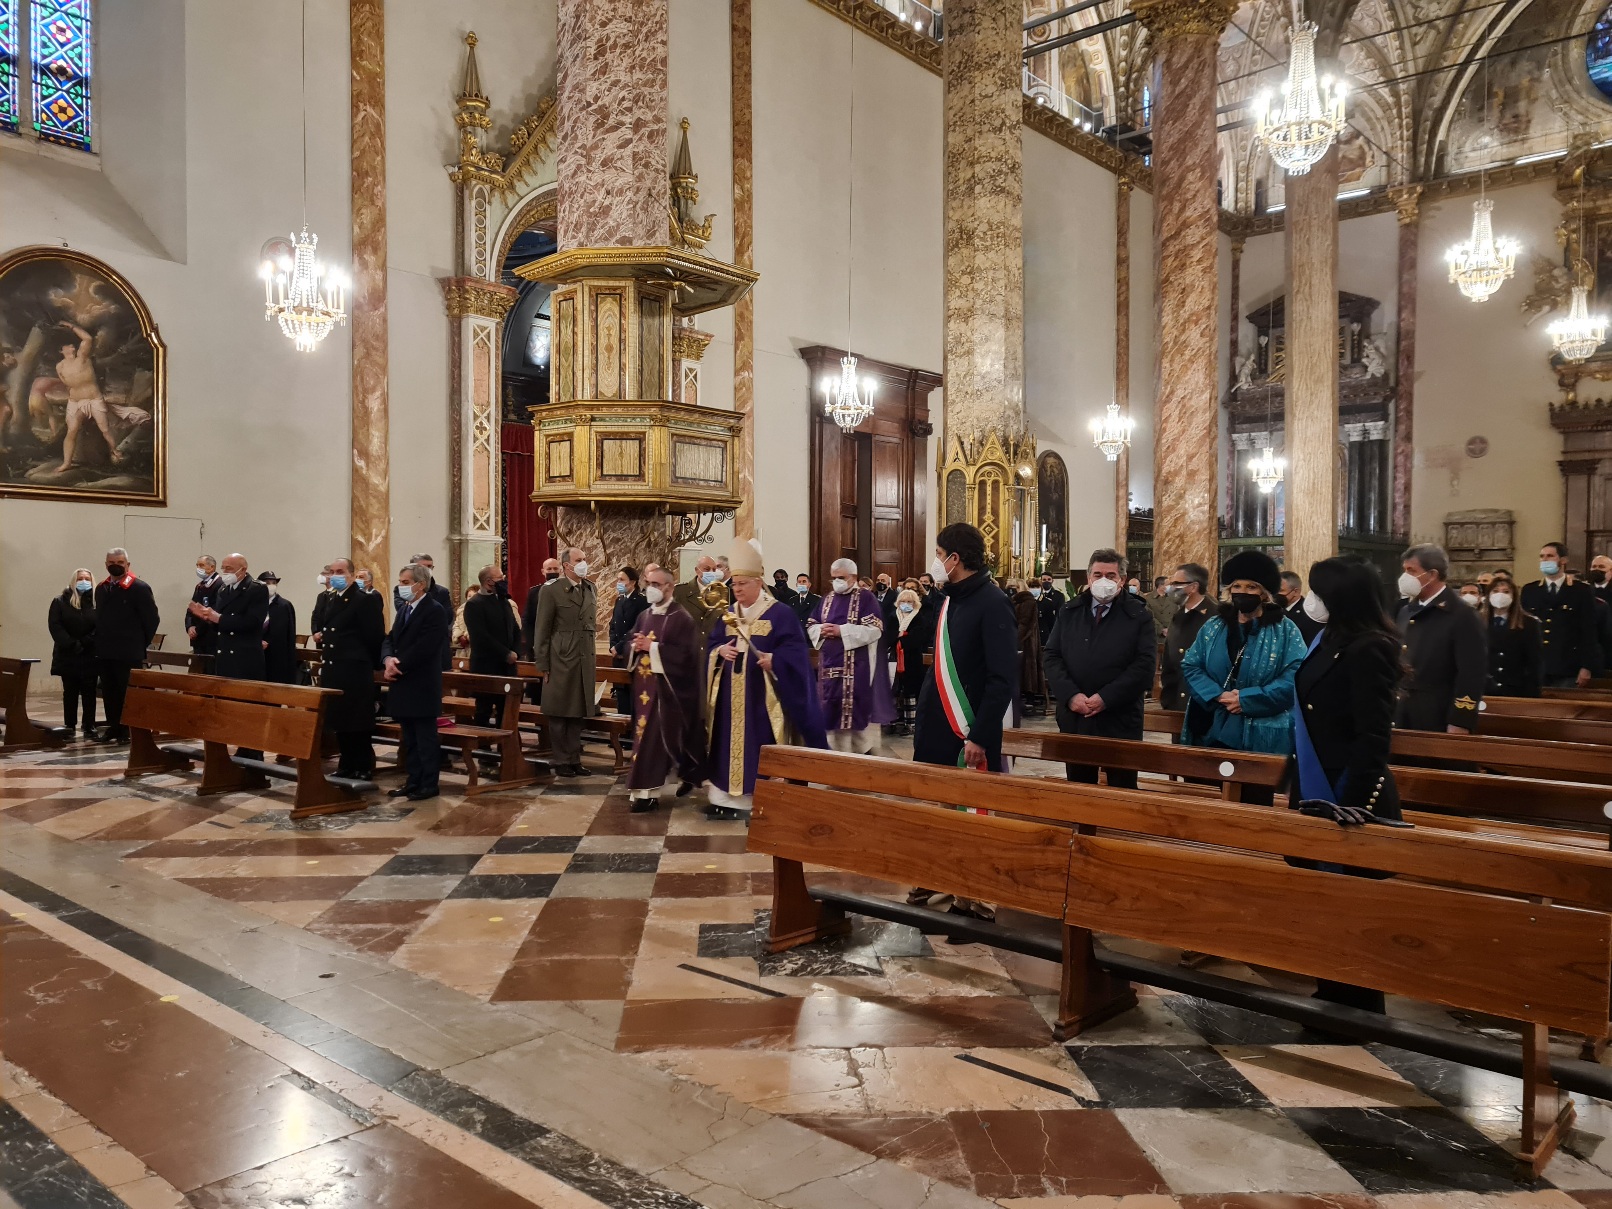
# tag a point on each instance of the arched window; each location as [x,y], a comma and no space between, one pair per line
[45,70]
[1598,54]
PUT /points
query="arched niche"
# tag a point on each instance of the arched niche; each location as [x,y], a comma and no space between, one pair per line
[1052,493]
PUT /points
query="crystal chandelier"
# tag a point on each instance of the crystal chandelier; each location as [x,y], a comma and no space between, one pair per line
[1267,470]
[307,297]
[1310,117]
[1112,432]
[846,400]
[1482,263]
[1581,333]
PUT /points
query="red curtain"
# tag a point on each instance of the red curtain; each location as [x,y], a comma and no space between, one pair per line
[528,537]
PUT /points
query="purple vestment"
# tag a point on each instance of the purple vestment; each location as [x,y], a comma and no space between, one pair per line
[750,707]
[846,666]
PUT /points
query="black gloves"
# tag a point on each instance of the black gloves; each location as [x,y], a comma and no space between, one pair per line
[1343,816]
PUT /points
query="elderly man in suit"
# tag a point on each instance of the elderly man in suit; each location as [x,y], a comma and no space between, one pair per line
[352,633]
[236,616]
[412,657]
[563,649]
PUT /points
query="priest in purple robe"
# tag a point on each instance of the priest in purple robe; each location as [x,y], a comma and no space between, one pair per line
[760,686]
[846,628]
[666,656]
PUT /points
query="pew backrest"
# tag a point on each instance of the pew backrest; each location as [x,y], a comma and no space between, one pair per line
[1232,769]
[1545,707]
[283,718]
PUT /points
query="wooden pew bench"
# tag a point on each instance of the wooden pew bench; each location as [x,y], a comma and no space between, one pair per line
[607,728]
[19,732]
[1514,929]
[501,741]
[1545,707]
[1556,730]
[197,662]
[285,719]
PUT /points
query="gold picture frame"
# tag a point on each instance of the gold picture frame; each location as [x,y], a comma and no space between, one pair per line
[83,383]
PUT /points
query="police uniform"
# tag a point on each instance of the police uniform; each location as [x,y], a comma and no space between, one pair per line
[1448,652]
[1567,625]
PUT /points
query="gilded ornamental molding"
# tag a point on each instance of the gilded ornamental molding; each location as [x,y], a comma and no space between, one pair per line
[1174,18]
[473,296]
[479,165]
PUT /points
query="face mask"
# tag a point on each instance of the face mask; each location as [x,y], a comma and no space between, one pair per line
[274,589]
[1409,585]
[709,577]
[83,585]
[937,570]
[581,569]
[1550,568]
[338,583]
[1133,590]
[502,588]
[654,595]
[621,588]
[322,580]
[1036,592]
[1046,587]
[905,606]
[1472,598]
[1104,590]
[1314,609]
[201,572]
[1175,591]
[1500,600]
[842,586]
[550,576]
[1246,602]
[1597,577]
[229,579]
[803,588]
[116,570]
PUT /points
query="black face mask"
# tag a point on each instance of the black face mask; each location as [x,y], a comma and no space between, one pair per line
[116,570]
[550,576]
[1246,602]
[1597,577]
[502,588]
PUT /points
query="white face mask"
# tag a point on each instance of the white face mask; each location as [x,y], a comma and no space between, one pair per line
[654,595]
[274,589]
[1036,592]
[1409,585]
[905,606]
[1500,600]
[937,571]
[322,580]
[1104,590]
[201,572]
[1314,609]
[1472,598]
[580,569]
[842,586]
[228,579]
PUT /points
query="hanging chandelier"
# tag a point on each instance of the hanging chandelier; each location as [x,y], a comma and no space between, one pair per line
[1581,333]
[1310,117]
[1267,470]
[1481,264]
[1112,432]
[846,400]
[306,296]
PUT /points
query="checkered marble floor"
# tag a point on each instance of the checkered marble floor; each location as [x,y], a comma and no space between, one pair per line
[906,1046]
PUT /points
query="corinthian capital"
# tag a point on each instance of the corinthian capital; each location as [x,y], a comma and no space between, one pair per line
[1168,18]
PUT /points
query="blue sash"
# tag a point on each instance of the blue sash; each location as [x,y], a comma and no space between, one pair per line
[1313,781]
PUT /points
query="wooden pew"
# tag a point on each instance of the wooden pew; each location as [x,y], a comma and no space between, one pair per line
[285,719]
[1196,873]
[1545,707]
[1558,730]
[607,727]
[196,662]
[1234,771]
[1592,693]
[21,733]
[460,691]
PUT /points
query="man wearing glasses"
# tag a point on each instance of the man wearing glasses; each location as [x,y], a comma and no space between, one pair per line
[1188,584]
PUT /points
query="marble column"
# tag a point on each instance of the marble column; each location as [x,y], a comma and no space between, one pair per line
[1122,353]
[744,311]
[1407,200]
[371,478]
[1233,342]
[1310,492]
[984,234]
[1186,34]
[611,140]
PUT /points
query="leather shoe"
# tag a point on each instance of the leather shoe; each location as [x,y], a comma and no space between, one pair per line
[564,770]
[402,791]
[686,788]
[726,814]
[643,805]
[421,795]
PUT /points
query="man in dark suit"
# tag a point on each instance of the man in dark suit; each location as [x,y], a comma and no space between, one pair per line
[494,637]
[630,601]
[551,572]
[781,591]
[1047,605]
[237,616]
[1188,583]
[412,657]
[126,620]
[1293,605]
[1445,645]
[280,663]
[806,601]
[203,637]
[354,629]
[443,597]
[1567,620]
[1099,662]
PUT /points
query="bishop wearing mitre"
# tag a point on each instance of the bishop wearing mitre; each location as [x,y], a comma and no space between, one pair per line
[760,686]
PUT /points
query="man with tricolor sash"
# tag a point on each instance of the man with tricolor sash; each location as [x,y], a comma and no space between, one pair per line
[976,665]
[760,686]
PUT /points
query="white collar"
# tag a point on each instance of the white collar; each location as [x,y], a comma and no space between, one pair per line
[660,609]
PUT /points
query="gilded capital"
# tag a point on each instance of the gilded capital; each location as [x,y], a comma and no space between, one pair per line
[1407,201]
[1170,18]
[473,296]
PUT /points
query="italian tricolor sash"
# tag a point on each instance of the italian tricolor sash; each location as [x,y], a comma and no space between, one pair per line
[959,713]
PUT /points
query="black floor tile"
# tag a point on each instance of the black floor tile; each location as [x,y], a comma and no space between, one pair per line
[506,885]
[288,1021]
[41,1175]
[1164,1076]
[376,1064]
[537,843]
[1393,1150]
[1221,1024]
[428,865]
[729,940]
[1450,1083]
[472,1112]
[614,862]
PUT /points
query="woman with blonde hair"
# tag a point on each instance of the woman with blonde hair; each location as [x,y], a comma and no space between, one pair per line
[72,658]
[915,636]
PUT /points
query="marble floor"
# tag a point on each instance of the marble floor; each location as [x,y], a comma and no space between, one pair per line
[540,998]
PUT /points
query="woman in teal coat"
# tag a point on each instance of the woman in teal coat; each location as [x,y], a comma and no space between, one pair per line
[1239,671]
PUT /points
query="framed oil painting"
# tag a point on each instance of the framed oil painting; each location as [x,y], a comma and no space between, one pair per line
[82,383]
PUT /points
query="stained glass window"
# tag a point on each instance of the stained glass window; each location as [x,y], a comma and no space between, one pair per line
[10,106]
[60,45]
[1598,54]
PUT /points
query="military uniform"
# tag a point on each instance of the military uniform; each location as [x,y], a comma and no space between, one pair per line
[690,593]
[563,643]
[1567,627]
[1448,652]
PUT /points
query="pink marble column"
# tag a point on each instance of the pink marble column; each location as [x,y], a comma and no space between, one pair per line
[1186,34]
[744,311]
[1122,353]
[371,479]
[611,140]
[1310,492]
[1407,199]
